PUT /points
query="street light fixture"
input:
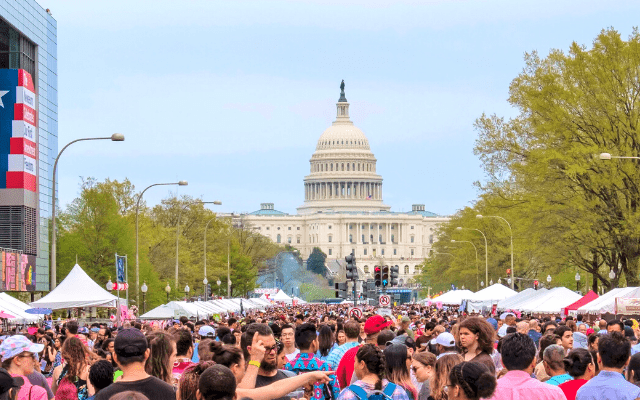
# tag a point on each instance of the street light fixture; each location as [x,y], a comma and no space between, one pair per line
[612,274]
[178,228]
[486,251]
[144,289]
[109,285]
[187,289]
[180,183]
[549,280]
[482,283]
[491,282]
[218,282]
[577,278]
[500,281]
[168,290]
[205,281]
[513,273]
[116,137]
[607,156]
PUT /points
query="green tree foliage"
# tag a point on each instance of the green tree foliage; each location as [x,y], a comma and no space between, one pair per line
[570,211]
[316,261]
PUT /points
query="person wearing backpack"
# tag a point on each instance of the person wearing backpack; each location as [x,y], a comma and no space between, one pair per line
[19,358]
[70,379]
[369,369]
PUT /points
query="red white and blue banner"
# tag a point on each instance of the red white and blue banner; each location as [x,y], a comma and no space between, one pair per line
[18,131]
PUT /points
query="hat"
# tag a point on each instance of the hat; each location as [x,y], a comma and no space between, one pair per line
[375,324]
[7,381]
[503,316]
[95,329]
[14,345]
[446,339]
[207,331]
[406,319]
[130,343]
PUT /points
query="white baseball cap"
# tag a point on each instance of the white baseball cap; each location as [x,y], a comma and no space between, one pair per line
[446,339]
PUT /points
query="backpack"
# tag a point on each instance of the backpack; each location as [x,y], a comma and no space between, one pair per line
[385,394]
[67,390]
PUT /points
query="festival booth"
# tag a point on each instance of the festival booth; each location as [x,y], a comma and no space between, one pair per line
[551,303]
[77,290]
[483,300]
[605,305]
[514,302]
[572,308]
[453,297]
[282,297]
[17,309]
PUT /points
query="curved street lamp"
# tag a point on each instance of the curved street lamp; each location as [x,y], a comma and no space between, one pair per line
[477,268]
[144,289]
[486,251]
[513,274]
[168,290]
[116,137]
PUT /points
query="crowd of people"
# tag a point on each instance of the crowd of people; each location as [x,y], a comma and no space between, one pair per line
[319,352]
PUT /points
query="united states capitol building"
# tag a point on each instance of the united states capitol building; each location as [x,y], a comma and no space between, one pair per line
[343,210]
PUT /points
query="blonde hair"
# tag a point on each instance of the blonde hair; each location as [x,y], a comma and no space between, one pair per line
[444,365]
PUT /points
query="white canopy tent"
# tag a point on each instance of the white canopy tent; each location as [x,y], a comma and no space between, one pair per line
[606,303]
[163,311]
[77,290]
[453,297]
[552,302]
[494,292]
[15,307]
[282,297]
[299,300]
[514,302]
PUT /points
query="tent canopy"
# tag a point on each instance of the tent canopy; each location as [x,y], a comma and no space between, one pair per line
[606,303]
[76,290]
[587,298]
[15,307]
[282,296]
[494,292]
[513,302]
[552,302]
[453,297]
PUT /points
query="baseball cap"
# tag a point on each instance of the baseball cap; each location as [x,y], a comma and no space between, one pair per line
[446,339]
[7,381]
[130,343]
[95,329]
[207,331]
[406,319]
[375,324]
[14,345]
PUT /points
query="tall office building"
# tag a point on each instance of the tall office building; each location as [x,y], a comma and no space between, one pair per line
[28,142]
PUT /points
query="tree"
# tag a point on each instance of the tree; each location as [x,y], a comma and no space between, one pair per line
[316,261]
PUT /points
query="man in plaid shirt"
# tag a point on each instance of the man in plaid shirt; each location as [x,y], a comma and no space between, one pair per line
[307,341]
[352,331]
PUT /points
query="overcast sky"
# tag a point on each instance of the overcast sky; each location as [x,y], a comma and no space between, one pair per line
[232,96]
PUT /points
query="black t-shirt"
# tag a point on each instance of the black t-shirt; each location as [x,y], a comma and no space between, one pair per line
[151,387]
[268,380]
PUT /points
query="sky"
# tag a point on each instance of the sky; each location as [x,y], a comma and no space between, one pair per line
[232,96]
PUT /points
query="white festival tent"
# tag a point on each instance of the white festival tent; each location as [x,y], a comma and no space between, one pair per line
[552,302]
[15,307]
[453,297]
[606,303]
[77,290]
[514,302]
[494,293]
[282,297]
[299,300]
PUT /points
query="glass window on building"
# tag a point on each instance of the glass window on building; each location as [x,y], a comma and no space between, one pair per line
[406,269]
[16,51]
[365,252]
[393,238]
[382,251]
[350,238]
[289,240]
[366,269]
[430,239]
[279,238]
[412,251]
[330,251]
[413,239]
[395,252]
[298,240]
[330,238]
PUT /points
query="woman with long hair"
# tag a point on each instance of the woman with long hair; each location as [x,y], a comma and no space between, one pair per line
[326,342]
[423,366]
[188,384]
[440,379]
[48,355]
[74,371]
[57,343]
[229,356]
[163,355]
[581,366]
[370,370]
[470,381]
[475,338]
[397,357]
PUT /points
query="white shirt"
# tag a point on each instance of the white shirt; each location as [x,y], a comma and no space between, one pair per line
[292,356]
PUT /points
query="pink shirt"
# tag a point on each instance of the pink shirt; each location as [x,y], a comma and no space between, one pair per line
[518,385]
[29,391]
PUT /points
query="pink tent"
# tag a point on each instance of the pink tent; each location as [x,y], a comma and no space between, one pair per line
[587,298]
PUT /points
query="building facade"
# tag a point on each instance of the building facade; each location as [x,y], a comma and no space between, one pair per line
[28,141]
[343,210]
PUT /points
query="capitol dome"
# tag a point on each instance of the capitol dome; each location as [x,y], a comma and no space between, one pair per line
[343,169]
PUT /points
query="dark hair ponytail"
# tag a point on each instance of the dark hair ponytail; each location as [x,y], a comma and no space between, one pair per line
[374,361]
[474,379]
[225,354]
[577,361]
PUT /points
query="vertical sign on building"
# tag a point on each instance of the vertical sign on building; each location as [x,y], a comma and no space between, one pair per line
[18,131]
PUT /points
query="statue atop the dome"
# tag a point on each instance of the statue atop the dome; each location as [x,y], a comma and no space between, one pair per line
[343,99]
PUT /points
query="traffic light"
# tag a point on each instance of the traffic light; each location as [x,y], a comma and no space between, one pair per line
[395,274]
[378,275]
[385,276]
[370,289]
[535,284]
[352,270]
[341,290]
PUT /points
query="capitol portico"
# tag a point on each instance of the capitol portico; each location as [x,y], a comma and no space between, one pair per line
[343,210]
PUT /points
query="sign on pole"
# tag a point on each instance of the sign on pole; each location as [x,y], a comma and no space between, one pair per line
[355,312]
[384,300]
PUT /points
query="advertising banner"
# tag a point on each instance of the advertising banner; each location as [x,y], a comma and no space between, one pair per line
[18,272]
[627,306]
[18,132]
[120,269]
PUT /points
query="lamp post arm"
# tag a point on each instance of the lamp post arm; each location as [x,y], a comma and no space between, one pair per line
[486,256]
[513,275]
[53,272]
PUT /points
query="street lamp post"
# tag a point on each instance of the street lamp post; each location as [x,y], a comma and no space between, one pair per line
[205,281]
[577,277]
[513,272]
[486,251]
[477,268]
[116,137]
[181,183]
[168,290]
[178,229]
[187,289]
[607,156]
[549,280]
[144,289]
[218,282]
[205,251]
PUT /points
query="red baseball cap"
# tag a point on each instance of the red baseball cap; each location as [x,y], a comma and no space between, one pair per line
[375,324]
